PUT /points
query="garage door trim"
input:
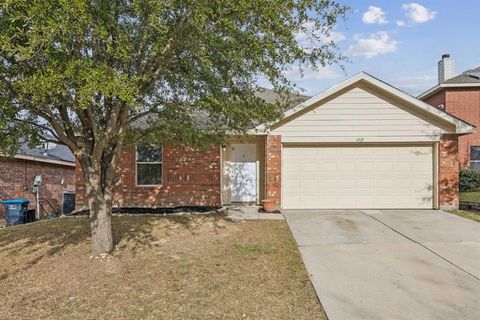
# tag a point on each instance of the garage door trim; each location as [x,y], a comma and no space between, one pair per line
[434,166]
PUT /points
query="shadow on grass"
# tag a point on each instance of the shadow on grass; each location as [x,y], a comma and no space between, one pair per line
[32,242]
[137,229]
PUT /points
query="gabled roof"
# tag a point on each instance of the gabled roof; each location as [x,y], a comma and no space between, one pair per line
[271,96]
[202,117]
[461,127]
[469,78]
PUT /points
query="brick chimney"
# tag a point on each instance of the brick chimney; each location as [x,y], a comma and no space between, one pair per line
[446,68]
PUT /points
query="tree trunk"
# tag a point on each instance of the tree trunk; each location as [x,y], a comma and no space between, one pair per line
[99,166]
[100,201]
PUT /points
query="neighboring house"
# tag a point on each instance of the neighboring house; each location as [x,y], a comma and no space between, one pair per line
[54,163]
[360,144]
[460,96]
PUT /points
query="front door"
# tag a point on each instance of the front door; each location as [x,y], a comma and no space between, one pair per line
[243,173]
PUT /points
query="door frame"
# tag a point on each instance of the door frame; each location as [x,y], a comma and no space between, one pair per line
[226,159]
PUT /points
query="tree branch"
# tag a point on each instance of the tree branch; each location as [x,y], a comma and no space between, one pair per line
[178,31]
[52,132]
[139,116]
[59,130]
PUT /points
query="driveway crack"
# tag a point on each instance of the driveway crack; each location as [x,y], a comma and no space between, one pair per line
[423,246]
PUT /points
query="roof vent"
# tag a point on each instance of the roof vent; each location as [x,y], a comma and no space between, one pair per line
[475,75]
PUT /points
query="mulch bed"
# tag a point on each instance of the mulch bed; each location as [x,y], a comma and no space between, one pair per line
[260,210]
[158,210]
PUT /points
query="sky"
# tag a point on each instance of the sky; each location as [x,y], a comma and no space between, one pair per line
[400,42]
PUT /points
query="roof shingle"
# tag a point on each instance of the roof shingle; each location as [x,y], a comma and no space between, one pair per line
[52,152]
[469,76]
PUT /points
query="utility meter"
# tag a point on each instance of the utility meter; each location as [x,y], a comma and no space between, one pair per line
[37,182]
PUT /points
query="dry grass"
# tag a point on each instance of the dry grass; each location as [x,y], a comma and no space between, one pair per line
[475,216]
[188,267]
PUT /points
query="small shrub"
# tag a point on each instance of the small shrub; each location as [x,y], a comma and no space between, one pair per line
[469,180]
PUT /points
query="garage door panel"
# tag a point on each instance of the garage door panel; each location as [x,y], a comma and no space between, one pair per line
[310,166]
[347,166]
[381,166]
[365,166]
[358,177]
[402,166]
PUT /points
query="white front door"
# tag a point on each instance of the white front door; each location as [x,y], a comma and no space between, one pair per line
[243,173]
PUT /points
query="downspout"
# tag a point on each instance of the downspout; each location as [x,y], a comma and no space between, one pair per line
[221,174]
[25,180]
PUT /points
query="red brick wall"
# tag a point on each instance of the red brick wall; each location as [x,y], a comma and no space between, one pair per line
[436,99]
[273,184]
[190,177]
[463,103]
[16,175]
[449,172]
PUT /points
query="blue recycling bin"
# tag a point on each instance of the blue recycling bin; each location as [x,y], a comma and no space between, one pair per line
[15,211]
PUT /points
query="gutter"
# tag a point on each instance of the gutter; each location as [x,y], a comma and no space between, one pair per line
[39,159]
[440,86]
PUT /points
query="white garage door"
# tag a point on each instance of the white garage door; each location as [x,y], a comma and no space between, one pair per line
[373,177]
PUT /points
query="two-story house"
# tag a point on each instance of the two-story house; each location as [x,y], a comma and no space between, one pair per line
[459,96]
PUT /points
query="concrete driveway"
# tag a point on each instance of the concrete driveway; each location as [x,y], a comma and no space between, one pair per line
[391,264]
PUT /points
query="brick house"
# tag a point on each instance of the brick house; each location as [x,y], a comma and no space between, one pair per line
[54,163]
[359,144]
[460,96]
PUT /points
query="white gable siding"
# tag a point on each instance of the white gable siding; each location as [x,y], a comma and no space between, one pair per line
[359,114]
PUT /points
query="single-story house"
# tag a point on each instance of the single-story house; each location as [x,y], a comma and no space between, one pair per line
[359,144]
[53,162]
[459,95]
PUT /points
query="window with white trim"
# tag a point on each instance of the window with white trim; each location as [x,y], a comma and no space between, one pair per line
[149,165]
[475,158]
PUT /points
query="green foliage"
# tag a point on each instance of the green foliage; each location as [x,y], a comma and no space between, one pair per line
[469,180]
[96,74]
[72,68]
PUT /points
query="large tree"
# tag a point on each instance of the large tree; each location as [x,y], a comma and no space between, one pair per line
[81,72]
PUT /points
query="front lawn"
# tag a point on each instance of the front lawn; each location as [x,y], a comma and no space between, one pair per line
[470,196]
[187,267]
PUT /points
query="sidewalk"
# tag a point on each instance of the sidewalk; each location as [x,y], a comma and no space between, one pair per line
[236,213]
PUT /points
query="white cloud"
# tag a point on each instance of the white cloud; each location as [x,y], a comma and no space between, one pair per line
[418,13]
[400,23]
[324,73]
[374,15]
[334,36]
[376,44]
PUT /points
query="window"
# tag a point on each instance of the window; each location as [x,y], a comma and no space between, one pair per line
[149,165]
[475,158]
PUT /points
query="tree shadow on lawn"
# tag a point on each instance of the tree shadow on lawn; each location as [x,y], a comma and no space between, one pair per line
[140,232]
[23,246]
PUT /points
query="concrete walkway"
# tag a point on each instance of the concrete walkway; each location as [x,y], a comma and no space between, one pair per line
[236,213]
[416,264]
